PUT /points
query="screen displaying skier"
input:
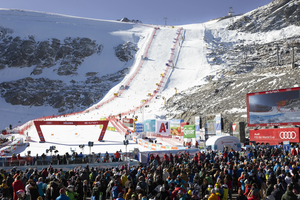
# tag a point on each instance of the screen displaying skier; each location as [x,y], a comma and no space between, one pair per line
[274,108]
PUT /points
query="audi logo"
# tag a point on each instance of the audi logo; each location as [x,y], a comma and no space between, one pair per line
[288,135]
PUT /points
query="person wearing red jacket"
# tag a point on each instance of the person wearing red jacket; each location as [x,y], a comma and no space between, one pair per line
[158,159]
[196,158]
[117,156]
[294,152]
[225,154]
[166,158]
[17,185]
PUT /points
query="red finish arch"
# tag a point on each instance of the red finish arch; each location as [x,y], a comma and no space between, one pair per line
[38,125]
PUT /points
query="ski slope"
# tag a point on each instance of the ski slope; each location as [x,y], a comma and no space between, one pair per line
[191,66]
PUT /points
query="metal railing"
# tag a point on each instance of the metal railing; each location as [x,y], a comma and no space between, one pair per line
[54,160]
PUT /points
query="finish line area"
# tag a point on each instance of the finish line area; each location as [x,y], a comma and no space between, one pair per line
[67,138]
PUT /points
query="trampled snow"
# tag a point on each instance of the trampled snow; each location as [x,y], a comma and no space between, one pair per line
[191,68]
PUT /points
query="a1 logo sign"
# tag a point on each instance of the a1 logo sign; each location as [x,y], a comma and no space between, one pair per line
[163,127]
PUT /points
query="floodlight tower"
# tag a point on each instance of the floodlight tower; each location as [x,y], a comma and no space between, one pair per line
[230,13]
[165,21]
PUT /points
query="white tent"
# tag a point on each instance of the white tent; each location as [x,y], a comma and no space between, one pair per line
[221,142]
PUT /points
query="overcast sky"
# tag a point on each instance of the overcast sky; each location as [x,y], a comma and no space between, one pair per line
[177,12]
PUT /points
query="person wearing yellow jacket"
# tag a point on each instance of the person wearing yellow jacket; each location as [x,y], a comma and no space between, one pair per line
[213,195]
[225,194]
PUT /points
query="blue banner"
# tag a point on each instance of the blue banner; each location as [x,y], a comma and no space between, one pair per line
[138,127]
[149,125]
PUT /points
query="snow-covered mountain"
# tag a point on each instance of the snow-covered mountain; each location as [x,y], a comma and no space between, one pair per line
[54,64]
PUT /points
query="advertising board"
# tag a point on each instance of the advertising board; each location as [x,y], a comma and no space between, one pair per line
[274,108]
[128,122]
[175,126]
[163,127]
[189,131]
[149,125]
[197,127]
[138,127]
[182,124]
[274,136]
[218,125]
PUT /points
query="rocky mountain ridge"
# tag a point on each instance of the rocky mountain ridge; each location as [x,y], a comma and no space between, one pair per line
[68,55]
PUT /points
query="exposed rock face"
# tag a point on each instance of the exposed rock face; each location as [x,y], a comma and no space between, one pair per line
[125,19]
[56,93]
[277,15]
[243,56]
[126,51]
[228,95]
[68,55]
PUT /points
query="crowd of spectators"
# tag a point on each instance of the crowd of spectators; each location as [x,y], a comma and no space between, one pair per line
[260,173]
[3,140]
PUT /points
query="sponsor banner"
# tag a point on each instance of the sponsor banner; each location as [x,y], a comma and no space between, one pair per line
[158,147]
[128,124]
[163,127]
[197,127]
[275,136]
[181,127]
[138,127]
[218,125]
[153,147]
[149,125]
[139,141]
[175,126]
[127,120]
[146,145]
[189,131]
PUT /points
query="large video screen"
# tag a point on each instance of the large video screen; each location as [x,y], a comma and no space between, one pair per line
[274,108]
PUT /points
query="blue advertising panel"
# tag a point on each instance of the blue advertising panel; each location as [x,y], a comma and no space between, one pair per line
[149,125]
[138,127]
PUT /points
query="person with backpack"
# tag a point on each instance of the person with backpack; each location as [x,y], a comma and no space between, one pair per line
[95,191]
[116,189]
